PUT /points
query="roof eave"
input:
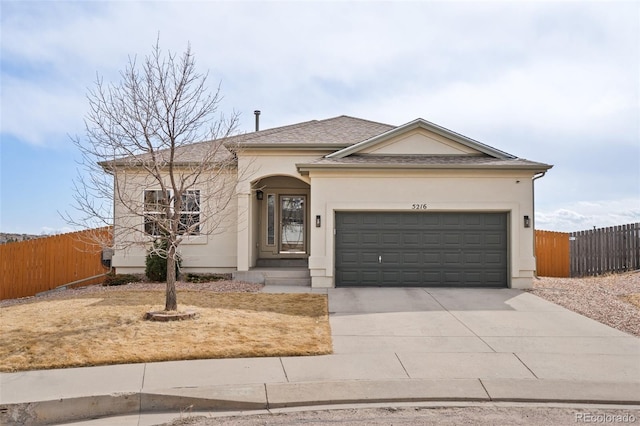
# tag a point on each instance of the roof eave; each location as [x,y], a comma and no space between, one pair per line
[109,165]
[529,167]
[300,146]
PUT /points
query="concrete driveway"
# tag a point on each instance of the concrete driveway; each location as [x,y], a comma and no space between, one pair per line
[443,333]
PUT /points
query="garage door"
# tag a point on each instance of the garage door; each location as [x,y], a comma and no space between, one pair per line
[418,249]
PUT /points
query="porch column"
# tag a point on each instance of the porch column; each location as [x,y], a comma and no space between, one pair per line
[244,231]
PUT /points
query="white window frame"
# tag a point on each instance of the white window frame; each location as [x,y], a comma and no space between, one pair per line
[147,213]
[190,212]
[147,221]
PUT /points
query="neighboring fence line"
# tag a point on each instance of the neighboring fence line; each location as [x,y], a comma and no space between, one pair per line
[33,266]
[605,250]
[552,254]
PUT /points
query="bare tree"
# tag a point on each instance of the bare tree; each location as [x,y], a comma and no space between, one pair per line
[156,158]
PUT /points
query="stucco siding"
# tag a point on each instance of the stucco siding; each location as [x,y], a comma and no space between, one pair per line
[420,142]
[213,250]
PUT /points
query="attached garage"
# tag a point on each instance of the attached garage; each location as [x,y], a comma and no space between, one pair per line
[421,249]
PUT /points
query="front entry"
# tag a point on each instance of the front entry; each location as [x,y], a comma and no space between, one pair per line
[283,219]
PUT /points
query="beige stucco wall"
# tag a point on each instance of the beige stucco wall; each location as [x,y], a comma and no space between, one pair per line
[419,141]
[396,190]
[214,250]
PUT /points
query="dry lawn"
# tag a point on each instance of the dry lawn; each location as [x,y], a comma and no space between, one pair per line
[108,328]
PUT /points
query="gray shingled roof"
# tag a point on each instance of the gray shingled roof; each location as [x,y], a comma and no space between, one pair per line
[339,131]
[423,161]
[332,133]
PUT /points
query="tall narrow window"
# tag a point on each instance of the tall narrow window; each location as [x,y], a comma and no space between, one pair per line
[271,219]
[190,213]
[155,205]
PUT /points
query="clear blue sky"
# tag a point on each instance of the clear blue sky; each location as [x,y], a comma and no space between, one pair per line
[555,82]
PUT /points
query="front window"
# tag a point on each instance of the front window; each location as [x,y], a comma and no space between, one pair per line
[156,203]
[155,211]
[190,213]
[271,219]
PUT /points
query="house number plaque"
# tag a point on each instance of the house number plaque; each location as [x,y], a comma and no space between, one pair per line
[418,206]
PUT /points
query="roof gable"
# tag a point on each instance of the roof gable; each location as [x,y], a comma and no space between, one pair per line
[420,137]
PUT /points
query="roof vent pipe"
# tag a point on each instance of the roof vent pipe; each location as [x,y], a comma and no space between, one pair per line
[257,113]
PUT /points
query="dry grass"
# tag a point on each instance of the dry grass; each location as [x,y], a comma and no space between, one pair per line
[634,299]
[108,328]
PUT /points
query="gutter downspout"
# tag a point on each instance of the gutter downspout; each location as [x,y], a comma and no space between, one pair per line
[533,206]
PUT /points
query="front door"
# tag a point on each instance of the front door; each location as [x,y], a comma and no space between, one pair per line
[292,224]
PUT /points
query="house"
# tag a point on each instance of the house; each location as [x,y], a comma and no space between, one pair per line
[361,203]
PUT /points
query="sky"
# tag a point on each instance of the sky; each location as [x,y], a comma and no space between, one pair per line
[554,82]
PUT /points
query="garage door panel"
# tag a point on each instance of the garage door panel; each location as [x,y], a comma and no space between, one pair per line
[368,259]
[370,277]
[411,239]
[432,259]
[411,259]
[369,220]
[472,221]
[369,238]
[391,239]
[496,221]
[349,238]
[349,258]
[473,239]
[473,259]
[421,249]
[450,239]
[451,259]
[495,259]
[431,239]
[493,240]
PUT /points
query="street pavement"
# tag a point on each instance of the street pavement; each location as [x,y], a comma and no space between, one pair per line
[391,346]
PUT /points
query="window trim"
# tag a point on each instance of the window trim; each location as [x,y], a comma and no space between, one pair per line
[270,237]
[146,214]
[184,212]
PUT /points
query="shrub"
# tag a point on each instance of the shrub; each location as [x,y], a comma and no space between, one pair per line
[120,279]
[205,278]
[156,263]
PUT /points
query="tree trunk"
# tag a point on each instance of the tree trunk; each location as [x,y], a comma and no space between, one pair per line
[171,300]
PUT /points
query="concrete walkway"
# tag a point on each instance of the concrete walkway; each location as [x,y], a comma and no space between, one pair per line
[390,346]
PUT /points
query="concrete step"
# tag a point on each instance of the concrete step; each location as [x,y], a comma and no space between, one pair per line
[282,263]
[305,282]
[275,276]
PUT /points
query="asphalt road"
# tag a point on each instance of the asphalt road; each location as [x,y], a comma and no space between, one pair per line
[473,415]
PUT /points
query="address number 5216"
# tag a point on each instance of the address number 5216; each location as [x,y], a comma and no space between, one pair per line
[419,206]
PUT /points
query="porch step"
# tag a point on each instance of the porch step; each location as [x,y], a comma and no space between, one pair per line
[276,276]
[282,263]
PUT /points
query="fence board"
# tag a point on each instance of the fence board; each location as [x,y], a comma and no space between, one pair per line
[33,266]
[552,254]
[605,250]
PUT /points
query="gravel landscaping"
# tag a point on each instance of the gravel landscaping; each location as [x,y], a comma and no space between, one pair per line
[613,300]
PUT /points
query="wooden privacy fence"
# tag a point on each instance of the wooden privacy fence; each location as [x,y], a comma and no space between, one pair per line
[552,254]
[605,250]
[33,266]
[593,252]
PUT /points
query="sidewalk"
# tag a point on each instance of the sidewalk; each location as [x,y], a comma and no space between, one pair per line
[390,345]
